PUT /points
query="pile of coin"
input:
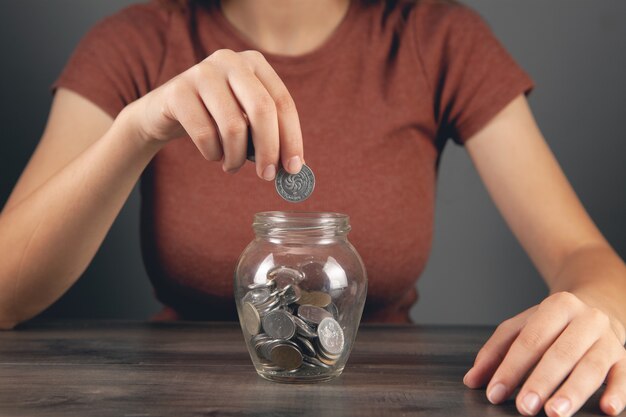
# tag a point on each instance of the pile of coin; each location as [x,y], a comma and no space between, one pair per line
[290,328]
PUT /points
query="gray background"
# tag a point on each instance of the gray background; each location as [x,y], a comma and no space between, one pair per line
[574,49]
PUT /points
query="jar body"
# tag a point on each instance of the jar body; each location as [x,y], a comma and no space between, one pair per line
[300,288]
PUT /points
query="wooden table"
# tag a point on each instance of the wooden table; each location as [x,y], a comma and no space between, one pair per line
[203,369]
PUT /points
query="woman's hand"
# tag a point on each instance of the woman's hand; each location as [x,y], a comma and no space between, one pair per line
[566,348]
[215,102]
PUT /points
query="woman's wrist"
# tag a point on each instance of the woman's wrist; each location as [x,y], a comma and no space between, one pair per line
[127,128]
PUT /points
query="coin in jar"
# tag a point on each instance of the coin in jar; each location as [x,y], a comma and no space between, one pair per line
[284,275]
[314,298]
[312,314]
[251,319]
[286,356]
[279,324]
[295,187]
[256,296]
[330,335]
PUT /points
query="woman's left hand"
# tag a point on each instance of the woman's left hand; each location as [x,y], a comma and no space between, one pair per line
[566,347]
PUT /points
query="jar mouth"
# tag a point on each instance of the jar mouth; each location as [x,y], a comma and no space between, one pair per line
[301,222]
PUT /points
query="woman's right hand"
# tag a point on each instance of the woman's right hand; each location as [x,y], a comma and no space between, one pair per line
[216,103]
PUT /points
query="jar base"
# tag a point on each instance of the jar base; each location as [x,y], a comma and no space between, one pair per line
[300,378]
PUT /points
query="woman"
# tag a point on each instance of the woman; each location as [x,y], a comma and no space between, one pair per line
[379,88]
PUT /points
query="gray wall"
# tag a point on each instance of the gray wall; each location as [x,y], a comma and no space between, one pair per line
[574,49]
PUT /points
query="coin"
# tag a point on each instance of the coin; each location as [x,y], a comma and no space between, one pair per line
[332,308]
[303,328]
[279,324]
[286,356]
[291,294]
[331,336]
[314,298]
[295,187]
[312,314]
[257,296]
[306,345]
[314,361]
[251,319]
[284,275]
[267,284]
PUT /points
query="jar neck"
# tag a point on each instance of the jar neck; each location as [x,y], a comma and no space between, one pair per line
[301,226]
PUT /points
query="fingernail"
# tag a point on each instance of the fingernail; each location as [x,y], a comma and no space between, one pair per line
[497,394]
[465,377]
[615,405]
[294,165]
[561,406]
[531,403]
[269,172]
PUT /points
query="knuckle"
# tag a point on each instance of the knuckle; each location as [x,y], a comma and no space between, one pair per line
[285,103]
[565,299]
[598,317]
[235,127]
[177,90]
[253,55]
[222,55]
[564,350]
[530,339]
[597,366]
[264,107]
[504,326]
[203,135]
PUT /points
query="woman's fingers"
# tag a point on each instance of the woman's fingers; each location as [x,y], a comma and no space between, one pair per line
[239,93]
[261,111]
[186,107]
[290,133]
[559,360]
[227,114]
[493,351]
[613,400]
[585,379]
[541,330]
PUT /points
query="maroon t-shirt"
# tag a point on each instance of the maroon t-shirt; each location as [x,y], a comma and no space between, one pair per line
[377,102]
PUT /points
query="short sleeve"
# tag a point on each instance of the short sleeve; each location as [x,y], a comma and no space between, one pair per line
[119,59]
[471,74]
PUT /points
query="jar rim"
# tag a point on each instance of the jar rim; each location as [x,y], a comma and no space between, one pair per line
[270,222]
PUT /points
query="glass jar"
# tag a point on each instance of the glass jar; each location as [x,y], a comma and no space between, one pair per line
[300,287]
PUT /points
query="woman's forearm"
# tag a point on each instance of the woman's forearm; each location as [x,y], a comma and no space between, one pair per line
[48,239]
[597,275]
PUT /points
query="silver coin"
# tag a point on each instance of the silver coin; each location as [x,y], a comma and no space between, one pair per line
[303,328]
[306,346]
[314,361]
[284,275]
[257,296]
[295,187]
[279,324]
[312,314]
[267,284]
[291,294]
[332,308]
[268,306]
[331,336]
[251,319]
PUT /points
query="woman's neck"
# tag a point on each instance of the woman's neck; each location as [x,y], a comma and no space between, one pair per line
[286,27]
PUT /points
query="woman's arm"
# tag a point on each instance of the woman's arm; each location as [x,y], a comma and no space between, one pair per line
[86,165]
[64,203]
[580,328]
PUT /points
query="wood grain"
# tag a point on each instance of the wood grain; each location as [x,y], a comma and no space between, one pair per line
[203,369]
